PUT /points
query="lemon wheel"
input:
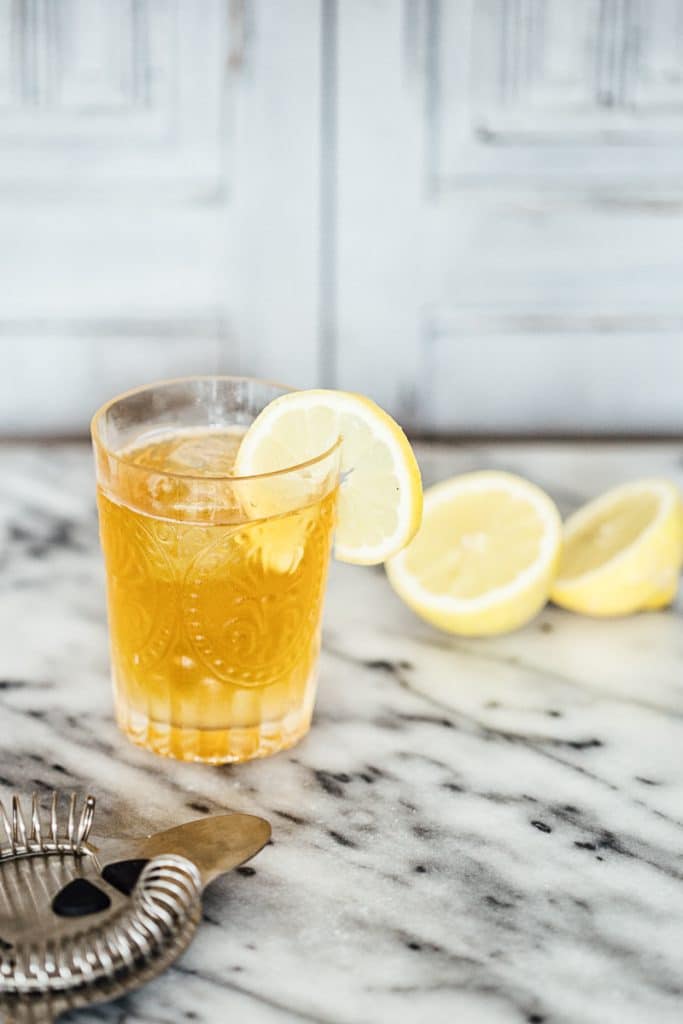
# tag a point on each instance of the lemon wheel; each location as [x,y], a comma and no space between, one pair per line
[380,497]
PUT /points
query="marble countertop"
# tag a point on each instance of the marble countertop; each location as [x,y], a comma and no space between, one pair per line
[475,830]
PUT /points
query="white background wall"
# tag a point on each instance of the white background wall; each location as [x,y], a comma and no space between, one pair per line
[470,209]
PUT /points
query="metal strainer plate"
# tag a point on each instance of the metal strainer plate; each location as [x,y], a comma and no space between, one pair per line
[82,922]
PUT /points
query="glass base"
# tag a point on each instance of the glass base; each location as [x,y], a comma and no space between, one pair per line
[214,746]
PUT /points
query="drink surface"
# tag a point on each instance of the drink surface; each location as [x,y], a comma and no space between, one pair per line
[215,624]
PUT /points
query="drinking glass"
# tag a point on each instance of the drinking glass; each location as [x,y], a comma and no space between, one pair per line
[215,582]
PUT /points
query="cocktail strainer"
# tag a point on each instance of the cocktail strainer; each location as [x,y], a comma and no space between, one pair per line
[83,921]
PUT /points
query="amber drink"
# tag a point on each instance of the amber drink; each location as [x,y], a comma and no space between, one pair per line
[215,582]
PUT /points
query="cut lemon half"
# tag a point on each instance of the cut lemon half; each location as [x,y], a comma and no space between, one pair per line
[380,496]
[623,551]
[485,556]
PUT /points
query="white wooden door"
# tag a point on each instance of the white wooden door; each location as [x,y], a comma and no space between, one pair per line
[159,174]
[470,209]
[510,215]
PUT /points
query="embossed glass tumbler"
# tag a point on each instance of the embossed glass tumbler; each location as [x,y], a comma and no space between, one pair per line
[215,582]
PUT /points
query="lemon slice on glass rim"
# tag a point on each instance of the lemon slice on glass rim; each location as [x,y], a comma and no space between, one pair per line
[485,556]
[380,497]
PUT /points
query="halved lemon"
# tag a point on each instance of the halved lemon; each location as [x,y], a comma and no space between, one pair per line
[623,551]
[380,497]
[485,556]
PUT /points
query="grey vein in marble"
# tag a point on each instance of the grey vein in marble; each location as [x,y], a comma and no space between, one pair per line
[483,831]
